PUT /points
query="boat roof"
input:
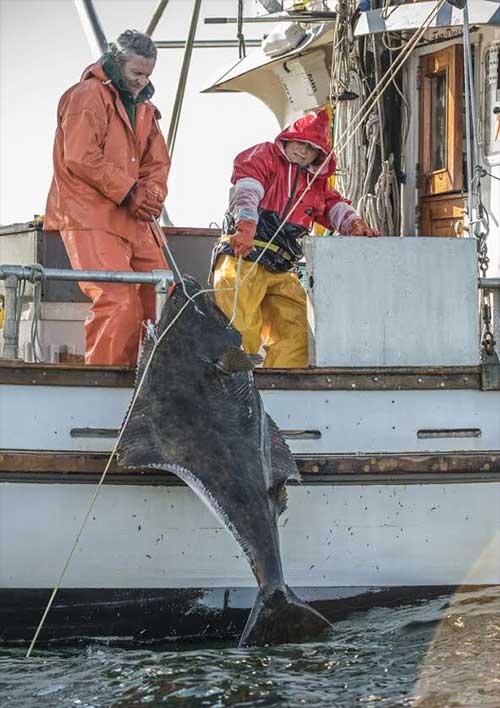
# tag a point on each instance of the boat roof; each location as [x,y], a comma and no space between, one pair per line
[258,59]
[396,18]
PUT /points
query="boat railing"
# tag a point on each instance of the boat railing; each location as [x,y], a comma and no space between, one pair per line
[14,275]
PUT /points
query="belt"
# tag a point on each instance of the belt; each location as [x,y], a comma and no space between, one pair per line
[265,244]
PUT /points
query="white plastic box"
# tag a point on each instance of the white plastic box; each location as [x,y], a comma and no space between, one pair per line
[392,301]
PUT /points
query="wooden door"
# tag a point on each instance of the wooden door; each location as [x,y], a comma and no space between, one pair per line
[441,143]
[442,215]
[441,121]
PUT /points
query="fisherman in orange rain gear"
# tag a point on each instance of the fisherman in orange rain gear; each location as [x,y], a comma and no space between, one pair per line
[268,180]
[110,179]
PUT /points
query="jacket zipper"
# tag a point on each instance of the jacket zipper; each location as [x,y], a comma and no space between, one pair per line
[292,193]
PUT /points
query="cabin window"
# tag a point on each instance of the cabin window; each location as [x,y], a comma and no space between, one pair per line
[438,121]
[441,122]
[492,100]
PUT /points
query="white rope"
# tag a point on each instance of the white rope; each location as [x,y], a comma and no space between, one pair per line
[37,277]
[378,94]
[360,117]
[236,291]
[190,300]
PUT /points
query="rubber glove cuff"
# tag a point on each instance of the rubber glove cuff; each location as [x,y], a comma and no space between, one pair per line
[242,239]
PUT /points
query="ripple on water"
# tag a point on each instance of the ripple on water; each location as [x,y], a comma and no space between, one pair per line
[438,653]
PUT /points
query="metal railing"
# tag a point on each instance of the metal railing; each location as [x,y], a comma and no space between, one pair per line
[12,275]
[161,279]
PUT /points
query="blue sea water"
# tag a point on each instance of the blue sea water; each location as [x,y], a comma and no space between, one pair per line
[434,653]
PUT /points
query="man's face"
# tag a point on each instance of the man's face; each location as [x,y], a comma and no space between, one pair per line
[136,72]
[301,154]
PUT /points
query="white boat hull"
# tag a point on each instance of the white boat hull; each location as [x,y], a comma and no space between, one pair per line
[163,537]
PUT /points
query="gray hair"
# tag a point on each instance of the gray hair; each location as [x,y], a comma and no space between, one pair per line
[132,42]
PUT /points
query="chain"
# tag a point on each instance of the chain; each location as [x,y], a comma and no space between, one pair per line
[481,227]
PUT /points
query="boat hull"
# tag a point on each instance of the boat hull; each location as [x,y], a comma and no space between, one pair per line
[153,563]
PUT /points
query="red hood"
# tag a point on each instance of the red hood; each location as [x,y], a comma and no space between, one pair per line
[312,128]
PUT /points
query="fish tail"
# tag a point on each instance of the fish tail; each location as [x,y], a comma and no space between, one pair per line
[280,617]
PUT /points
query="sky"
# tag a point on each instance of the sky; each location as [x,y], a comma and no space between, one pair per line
[43,51]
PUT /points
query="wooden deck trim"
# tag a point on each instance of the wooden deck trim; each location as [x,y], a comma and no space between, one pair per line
[18,373]
[76,466]
[190,231]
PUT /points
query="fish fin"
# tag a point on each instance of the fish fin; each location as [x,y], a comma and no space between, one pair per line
[280,617]
[235,359]
[138,446]
[283,466]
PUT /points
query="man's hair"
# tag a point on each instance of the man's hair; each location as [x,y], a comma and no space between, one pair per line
[132,42]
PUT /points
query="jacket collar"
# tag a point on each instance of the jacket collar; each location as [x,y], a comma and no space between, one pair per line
[105,70]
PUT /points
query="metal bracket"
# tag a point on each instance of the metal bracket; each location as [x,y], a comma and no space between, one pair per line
[162,285]
[490,372]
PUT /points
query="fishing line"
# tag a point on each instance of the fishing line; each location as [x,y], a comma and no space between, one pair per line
[388,76]
[163,243]
[360,116]
[236,291]
[189,300]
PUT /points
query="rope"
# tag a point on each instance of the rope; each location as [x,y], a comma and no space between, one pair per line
[190,300]
[361,116]
[239,33]
[170,256]
[157,341]
[236,291]
[37,278]
[380,88]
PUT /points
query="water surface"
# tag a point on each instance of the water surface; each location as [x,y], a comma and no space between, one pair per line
[442,652]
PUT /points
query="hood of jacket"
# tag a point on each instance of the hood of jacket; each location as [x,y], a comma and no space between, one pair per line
[313,128]
[112,74]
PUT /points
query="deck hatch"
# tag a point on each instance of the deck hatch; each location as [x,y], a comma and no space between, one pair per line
[113,433]
[425,434]
[301,434]
[94,432]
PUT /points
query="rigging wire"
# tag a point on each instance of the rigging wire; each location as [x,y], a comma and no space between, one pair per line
[239,32]
[360,117]
[378,92]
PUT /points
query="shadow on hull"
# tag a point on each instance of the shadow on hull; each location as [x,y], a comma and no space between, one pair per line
[144,616]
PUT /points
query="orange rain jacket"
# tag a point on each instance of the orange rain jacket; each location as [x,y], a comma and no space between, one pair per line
[98,157]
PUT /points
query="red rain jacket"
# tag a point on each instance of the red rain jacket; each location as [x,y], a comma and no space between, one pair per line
[268,164]
[98,157]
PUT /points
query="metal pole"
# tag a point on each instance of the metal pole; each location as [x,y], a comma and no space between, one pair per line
[271,5]
[181,87]
[468,138]
[107,276]
[92,27]
[489,283]
[10,325]
[475,133]
[156,17]
[310,17]
[161,289]
[206,43]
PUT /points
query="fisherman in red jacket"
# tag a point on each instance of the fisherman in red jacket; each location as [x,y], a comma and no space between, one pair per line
[110,179]
[268,180]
